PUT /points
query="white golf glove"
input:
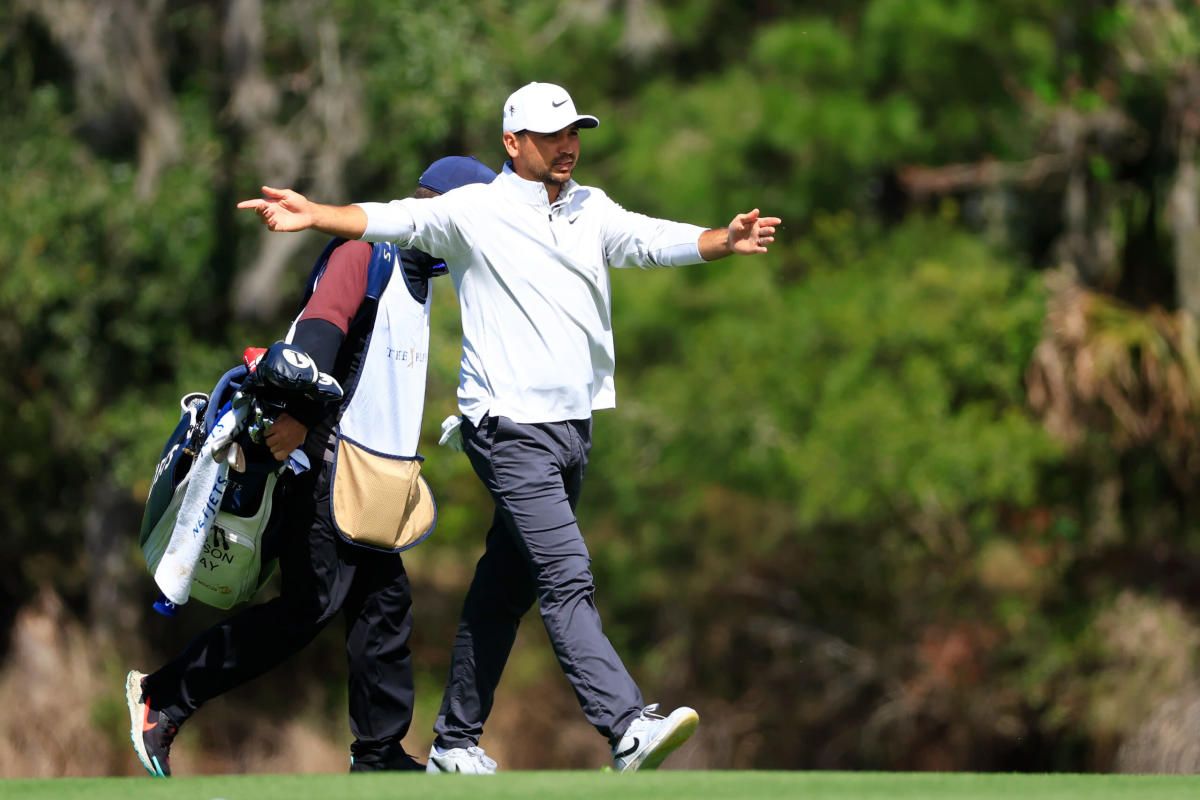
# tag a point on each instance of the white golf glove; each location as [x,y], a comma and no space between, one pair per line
[452,433]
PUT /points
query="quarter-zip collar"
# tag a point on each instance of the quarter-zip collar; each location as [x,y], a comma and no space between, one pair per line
[534,192]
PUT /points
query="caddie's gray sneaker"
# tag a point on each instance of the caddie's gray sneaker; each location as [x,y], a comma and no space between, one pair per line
[651,738]
[467,760]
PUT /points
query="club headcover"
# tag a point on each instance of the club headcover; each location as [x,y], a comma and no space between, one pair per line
[290,369]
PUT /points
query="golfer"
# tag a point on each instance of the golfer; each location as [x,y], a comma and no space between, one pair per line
[528,255]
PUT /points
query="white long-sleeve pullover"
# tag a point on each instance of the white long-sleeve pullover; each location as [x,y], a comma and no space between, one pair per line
[533,283]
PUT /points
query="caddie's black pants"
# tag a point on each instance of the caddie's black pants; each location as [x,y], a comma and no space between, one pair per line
[534,550]
[321,574]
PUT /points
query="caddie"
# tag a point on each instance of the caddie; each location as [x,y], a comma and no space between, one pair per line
[365,321]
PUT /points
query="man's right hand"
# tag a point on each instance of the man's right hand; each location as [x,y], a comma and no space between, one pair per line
[282,210]
[285,210]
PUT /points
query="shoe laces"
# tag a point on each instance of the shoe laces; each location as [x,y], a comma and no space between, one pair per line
[647,714]
[165,731]
[167,727]
[169,731]
[645,720]
[477,752]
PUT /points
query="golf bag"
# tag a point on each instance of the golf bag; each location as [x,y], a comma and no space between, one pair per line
[212,505]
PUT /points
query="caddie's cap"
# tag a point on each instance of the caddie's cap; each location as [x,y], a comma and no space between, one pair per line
[452,172]
[543,108]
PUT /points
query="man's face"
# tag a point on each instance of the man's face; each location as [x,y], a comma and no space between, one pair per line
[546,157]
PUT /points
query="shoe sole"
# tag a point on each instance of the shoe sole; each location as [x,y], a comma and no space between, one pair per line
[675,734]
[133,699]
[436,771]
[433,769]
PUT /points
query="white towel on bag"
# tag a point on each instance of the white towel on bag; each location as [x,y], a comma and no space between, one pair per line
[201,502]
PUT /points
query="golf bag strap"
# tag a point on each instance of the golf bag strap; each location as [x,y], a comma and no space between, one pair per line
[379,270]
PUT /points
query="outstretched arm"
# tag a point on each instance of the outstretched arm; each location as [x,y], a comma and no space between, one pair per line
[285,210]
[747,234]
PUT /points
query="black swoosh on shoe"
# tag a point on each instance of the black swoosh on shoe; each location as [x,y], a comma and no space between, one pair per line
[632,748]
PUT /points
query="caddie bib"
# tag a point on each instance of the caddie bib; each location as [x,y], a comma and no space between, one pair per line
[377,494]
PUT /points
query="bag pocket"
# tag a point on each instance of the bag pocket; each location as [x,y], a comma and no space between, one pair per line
[380,501]
[230,570]
[229,566]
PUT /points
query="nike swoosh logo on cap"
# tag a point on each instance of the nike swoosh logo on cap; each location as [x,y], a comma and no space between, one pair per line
[559,103]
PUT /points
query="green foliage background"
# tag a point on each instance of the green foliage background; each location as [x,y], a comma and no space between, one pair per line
[911,492]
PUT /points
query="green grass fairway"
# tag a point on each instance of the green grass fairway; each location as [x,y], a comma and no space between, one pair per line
[667,785]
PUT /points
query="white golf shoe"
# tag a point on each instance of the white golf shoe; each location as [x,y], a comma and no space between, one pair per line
[466,760]
[651,738]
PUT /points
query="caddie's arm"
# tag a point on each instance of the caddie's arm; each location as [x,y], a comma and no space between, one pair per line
[747,234]
[287,210]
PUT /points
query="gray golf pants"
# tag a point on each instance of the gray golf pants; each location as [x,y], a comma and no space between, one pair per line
[534,550]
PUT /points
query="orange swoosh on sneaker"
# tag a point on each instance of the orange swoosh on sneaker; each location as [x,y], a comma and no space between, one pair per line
[147,725]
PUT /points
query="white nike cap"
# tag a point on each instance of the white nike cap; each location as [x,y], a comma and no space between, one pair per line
[543,108]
